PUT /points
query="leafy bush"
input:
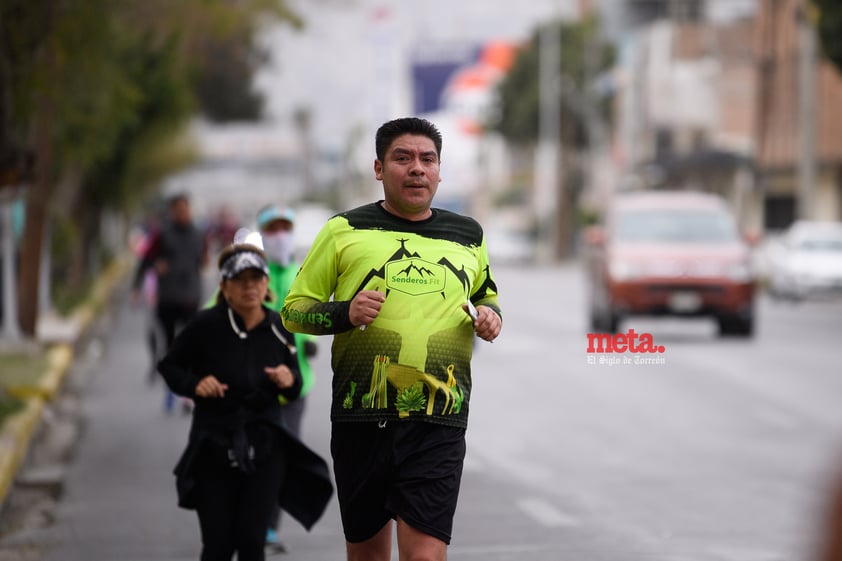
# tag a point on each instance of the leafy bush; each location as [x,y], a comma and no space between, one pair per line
[9,405]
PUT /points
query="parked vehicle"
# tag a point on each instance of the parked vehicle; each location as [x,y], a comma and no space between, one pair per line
[670,253]
[506,247]
[806,262]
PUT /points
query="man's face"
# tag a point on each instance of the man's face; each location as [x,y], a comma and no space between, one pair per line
[410,175]
[180,211]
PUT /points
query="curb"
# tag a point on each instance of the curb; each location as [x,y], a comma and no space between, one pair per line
[18,430]
[16,434]
[59,358]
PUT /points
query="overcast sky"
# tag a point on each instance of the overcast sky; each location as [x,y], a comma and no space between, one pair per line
[349,64]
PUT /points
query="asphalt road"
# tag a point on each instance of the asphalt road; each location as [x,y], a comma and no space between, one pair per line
[721,453]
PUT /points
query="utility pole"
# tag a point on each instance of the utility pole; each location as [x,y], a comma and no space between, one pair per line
[548,155]
[768,14]
[806,112]
[302,120]
[9,330]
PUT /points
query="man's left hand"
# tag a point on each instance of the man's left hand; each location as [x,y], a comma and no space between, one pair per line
[488,324]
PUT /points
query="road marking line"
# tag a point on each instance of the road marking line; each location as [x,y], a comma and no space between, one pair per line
[485,550]
[546,514]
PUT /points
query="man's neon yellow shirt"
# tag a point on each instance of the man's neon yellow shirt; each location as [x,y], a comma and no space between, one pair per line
[414,361]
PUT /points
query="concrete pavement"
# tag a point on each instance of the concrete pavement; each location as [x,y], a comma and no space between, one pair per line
[59,336]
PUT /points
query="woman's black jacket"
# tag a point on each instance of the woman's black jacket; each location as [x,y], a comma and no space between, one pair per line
[216,342]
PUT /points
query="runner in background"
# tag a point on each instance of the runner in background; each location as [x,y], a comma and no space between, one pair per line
[176,254]
[276,225]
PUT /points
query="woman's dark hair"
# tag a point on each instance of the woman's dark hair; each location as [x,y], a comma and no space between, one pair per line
[388,132]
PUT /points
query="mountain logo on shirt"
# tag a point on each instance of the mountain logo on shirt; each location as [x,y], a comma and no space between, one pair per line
[415,276]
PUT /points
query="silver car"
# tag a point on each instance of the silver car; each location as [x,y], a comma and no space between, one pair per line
[806,261]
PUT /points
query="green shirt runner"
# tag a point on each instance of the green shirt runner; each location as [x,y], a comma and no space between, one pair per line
[377,373]
[280,279]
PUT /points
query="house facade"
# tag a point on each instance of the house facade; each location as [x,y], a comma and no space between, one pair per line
[715,106]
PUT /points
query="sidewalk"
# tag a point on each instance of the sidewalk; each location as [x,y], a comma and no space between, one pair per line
[59,336]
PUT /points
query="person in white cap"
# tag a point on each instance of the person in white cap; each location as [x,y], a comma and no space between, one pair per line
[234,360]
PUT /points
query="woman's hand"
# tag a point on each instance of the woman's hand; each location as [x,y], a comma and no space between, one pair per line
[209,386]
[280,375]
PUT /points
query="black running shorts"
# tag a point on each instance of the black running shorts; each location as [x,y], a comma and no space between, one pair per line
[410,470]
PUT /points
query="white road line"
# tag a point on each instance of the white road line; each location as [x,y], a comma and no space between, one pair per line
[545,513]
[484,551]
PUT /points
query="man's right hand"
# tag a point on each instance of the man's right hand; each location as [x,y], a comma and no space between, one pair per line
[365,307]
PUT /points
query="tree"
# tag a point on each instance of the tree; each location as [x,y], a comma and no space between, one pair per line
[518,91]
[830,30]
[93,96]
[583,56]
[225,86]
[226,56]
[146,146]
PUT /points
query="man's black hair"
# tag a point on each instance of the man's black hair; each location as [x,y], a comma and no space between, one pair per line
[388,132]
[178,198]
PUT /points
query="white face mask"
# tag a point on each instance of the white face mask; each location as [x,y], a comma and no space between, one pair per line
[279,247]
